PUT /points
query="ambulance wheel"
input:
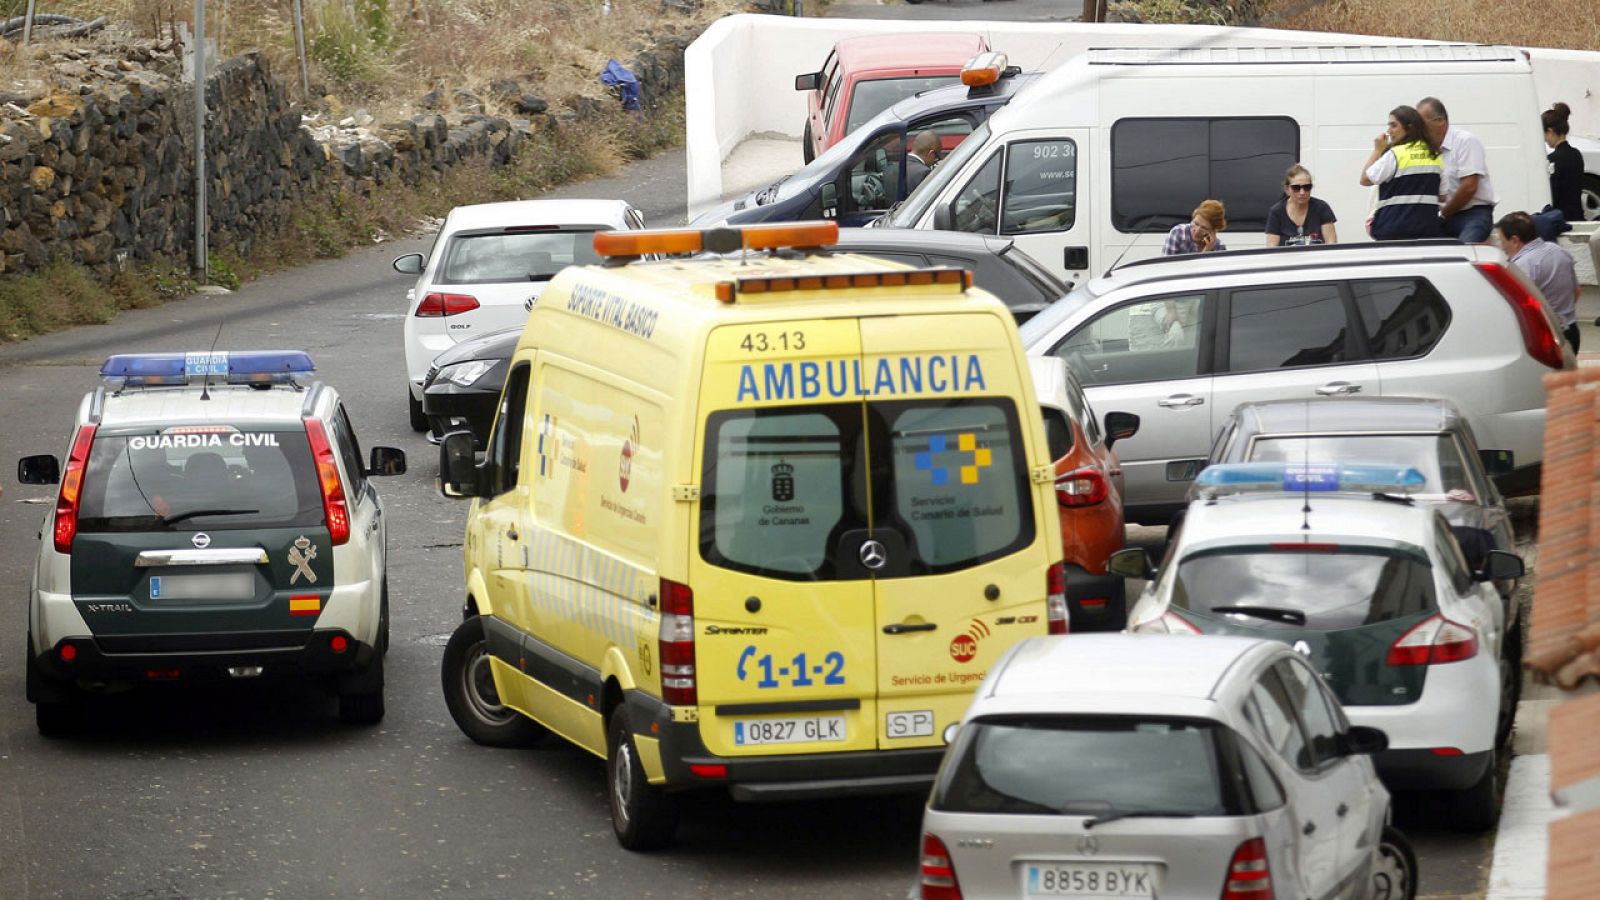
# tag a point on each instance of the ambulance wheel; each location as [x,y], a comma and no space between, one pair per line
[58,720]
[1477,808]
[644,817]
[470,694]
[419,421]
[805,146]
[1394,871]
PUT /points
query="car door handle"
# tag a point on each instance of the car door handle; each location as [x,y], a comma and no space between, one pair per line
[1179,401]
[1335,388]
[511,533]
[1341,810]
[906,627]
[1309,829]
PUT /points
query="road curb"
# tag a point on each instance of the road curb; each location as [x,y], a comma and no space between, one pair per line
[1522,845]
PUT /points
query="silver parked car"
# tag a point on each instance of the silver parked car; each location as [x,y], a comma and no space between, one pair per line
[1160,766]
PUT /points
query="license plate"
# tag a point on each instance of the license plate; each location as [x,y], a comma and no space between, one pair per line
[204,586]
[809,730]
[1090,880]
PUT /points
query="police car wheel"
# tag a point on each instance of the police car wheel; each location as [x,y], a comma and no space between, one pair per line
[1477,808]
[365,707]
[56,720]
[644,817]
[1394,871]
[470,694]
[419,421]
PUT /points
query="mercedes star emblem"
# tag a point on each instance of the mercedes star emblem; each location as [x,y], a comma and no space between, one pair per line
[1088,845]
[873,555]
[201,540]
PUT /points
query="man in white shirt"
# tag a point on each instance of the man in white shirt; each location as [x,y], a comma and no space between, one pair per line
[1465,190]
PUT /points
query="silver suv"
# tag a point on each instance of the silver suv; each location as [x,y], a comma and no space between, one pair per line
[1181,340]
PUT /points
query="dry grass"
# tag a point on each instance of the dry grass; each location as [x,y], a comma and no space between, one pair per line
[1572,24]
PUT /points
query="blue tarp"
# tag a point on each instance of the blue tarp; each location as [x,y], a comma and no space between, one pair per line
[617,77]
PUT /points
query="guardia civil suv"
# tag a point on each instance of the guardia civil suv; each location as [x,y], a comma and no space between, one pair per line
[214,520]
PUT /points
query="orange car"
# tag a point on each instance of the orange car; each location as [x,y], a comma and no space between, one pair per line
[1088,494]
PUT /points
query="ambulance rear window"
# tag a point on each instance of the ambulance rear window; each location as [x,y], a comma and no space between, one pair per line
[188,481]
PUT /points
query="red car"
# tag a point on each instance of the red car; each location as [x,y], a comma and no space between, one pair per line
[1088,494]
[864,76]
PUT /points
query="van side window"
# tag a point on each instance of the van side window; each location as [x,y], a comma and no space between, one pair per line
[1286,326]
[1162,168]
[505,445]
[1041,187]
[1153,340]
[1402,317]
[977,207]
[875,174]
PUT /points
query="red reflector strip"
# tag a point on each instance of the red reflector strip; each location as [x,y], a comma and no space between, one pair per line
[68,653]
[339,643]
[304,604]
[704,770]
[1092,602]
[162,674]
[1446,751]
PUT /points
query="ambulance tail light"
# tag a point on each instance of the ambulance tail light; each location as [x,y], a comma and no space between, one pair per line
[334,506]
[1432,641]
[1055,598]
[435,305]
[1081,487]
[1538,335]
[72,489]
[678,684]
[938,872]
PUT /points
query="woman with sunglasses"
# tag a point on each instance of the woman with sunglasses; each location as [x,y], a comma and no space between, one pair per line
[1299,219]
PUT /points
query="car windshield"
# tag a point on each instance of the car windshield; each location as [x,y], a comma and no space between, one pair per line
[1436,456]
[1084,765]
[506,257]
[1042,325]
[188,477]
[1050,287]
[875,96]
[913,207]
[1332,587]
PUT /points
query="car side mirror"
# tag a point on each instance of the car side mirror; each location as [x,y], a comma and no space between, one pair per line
[944,218]
[1363,740]
[410,264]
[387,461]
[830,200]
[1497,462]
[459,473]
[808,82]
[1120,426]
[41,469]
[1131,562]
[1501,565]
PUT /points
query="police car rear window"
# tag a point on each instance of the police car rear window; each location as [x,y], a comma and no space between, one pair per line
[180,479]
[1347,587]
[502,258]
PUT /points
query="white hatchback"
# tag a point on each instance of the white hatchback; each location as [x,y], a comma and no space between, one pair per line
[487,267]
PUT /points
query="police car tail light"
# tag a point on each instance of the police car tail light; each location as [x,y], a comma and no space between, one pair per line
[678,684]
[1055,598]
[1081,487]
[985,68]
[1249,873]
[1432,641]
[1537,334]
[1166,623]
[435,305]
[333,502]
[938,873]
[72,489]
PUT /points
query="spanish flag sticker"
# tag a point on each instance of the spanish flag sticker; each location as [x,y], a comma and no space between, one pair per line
[305,604]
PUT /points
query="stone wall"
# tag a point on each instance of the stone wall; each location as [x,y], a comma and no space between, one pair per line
[99,169]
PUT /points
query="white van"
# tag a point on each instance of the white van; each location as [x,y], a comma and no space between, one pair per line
[1100,157]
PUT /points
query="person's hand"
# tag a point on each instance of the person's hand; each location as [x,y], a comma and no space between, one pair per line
[1207,240]
[1380,143]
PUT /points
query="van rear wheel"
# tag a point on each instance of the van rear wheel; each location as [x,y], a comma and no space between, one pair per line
[471,697]
[644,817]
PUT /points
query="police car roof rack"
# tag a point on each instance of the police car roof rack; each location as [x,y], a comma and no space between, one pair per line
[97,405]
[256,368]
[313,394]
[1384,482]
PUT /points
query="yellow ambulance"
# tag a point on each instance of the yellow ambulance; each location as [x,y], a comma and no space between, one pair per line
[753,515]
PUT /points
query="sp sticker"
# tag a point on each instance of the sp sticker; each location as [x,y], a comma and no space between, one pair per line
[300,556]
[965,645]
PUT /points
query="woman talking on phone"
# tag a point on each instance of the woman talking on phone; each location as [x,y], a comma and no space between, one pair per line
[1299,219]
[1406,167]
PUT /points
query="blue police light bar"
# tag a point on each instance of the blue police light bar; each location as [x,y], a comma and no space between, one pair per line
[223,367]
[1239,478]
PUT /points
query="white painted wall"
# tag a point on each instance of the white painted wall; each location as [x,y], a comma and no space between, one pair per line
[739,74]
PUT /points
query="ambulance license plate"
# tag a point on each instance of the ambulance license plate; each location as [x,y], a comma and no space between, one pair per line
[809,730]
[1090,880]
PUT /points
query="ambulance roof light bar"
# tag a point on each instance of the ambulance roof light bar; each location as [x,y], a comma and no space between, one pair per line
[219,367]
[986,68]
[625,245]
[729,291]
[1276,477]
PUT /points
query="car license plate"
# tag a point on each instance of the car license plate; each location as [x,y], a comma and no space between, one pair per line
[1090,880]
[216,586]
[810,729]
